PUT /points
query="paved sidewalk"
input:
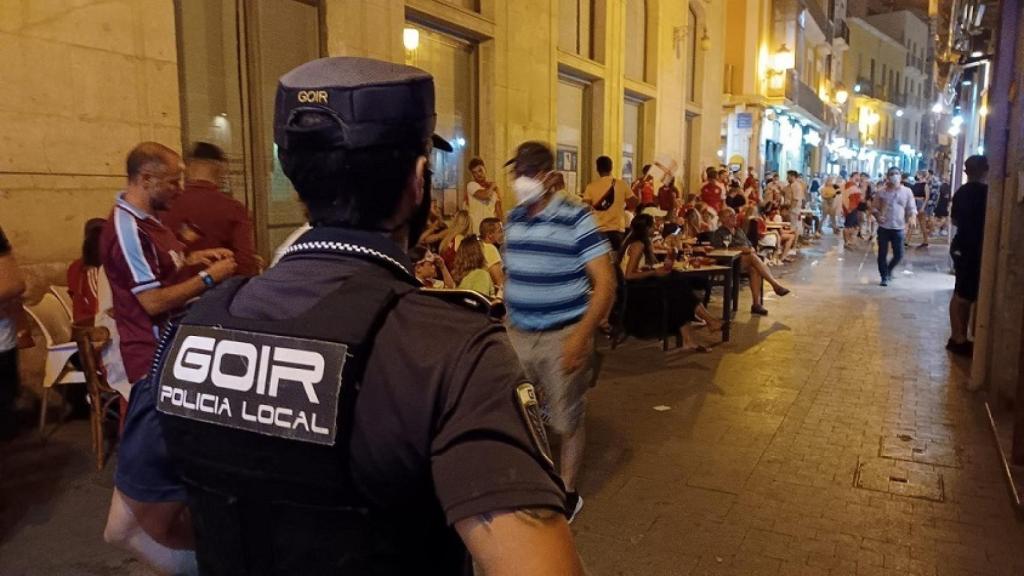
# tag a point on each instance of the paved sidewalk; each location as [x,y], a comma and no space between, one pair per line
[750,470]
[834,436]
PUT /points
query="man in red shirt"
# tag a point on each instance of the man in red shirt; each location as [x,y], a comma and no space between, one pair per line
[205,217]
[710,192]
[150,276]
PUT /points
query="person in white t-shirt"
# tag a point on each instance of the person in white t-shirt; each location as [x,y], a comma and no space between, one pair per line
[483,199]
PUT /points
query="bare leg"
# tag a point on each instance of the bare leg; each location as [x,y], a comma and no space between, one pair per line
[757,266]
[124,530]
[572,456]
[714,324]
[755,278]
[959,316]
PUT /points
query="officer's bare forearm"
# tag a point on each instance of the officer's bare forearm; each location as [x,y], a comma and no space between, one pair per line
[524,542]
[159,300]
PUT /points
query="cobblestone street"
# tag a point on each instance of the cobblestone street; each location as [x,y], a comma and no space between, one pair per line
[834,436]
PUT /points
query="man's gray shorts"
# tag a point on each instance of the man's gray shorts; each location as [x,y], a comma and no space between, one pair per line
[562,396]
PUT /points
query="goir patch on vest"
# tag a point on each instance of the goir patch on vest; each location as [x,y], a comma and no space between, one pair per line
[274,385]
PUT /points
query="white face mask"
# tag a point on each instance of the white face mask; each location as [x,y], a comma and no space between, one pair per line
[528,190]
[894,179]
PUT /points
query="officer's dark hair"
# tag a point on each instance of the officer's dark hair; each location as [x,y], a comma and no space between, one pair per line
[147,154]
[207,151]
[645,169]
[357,188]
[604,165]
[711,172]
[792,173]
[488,225]
[474,163]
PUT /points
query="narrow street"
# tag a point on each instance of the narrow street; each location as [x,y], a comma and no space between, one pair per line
[834,436]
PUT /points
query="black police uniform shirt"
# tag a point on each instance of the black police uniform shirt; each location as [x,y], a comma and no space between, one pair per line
[436,417]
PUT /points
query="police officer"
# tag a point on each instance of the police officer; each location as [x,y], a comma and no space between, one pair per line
[329,417]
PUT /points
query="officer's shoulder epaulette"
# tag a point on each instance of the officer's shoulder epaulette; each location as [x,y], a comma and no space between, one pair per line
[468,299]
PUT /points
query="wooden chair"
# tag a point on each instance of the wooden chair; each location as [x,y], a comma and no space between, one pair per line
[90,341]
[64,297]
[56,328]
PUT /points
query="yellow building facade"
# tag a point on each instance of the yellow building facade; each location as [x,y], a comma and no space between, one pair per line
[88,79]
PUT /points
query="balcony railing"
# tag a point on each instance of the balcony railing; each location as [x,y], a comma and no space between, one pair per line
[842,30]
[804,96]
[815,11]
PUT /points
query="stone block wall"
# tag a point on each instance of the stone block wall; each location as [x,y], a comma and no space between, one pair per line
[83,81]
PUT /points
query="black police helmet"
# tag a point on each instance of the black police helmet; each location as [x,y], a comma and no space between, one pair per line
[362,103]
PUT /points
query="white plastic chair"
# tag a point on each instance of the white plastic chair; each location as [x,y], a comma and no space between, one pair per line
[56,328]
[64,297]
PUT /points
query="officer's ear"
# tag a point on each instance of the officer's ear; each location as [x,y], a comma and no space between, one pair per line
[416,180]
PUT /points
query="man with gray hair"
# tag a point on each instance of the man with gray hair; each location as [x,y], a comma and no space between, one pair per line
[730,236]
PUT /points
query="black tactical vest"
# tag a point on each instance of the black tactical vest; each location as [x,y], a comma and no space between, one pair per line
[257,419]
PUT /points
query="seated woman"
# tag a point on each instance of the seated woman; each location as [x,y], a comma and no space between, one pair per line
[683,306]
[427,269]
[787,235]
[759,234]
[470,272]
[695,228]
[83,276]
[436,228]
[461,227]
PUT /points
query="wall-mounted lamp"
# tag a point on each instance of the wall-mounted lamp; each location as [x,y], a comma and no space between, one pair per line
[783,60]
[899,113]
[841,94]
[411,38]
[705,41]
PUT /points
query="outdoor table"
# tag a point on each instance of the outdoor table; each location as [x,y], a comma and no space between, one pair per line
[710,272]
[732,259]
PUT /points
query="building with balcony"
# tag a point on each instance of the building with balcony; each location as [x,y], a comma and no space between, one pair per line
[884,120]
[778,83]
[631,79]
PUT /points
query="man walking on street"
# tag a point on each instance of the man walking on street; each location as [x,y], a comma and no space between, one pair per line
[893,207]
[559,288]
[607,196]
[969,204]
[796,193]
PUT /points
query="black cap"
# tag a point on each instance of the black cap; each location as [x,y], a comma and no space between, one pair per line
[532,157]
[367,103]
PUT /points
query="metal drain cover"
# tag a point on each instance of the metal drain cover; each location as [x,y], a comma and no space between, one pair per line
[913,481]
[909,448]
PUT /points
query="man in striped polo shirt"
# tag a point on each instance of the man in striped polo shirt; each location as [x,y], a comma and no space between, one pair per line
[559,286]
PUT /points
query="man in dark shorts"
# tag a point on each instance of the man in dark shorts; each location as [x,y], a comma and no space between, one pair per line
[968,215]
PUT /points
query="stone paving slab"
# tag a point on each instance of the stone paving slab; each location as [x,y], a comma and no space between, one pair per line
[752,469]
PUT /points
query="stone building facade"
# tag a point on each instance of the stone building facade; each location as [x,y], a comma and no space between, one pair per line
[87,79]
